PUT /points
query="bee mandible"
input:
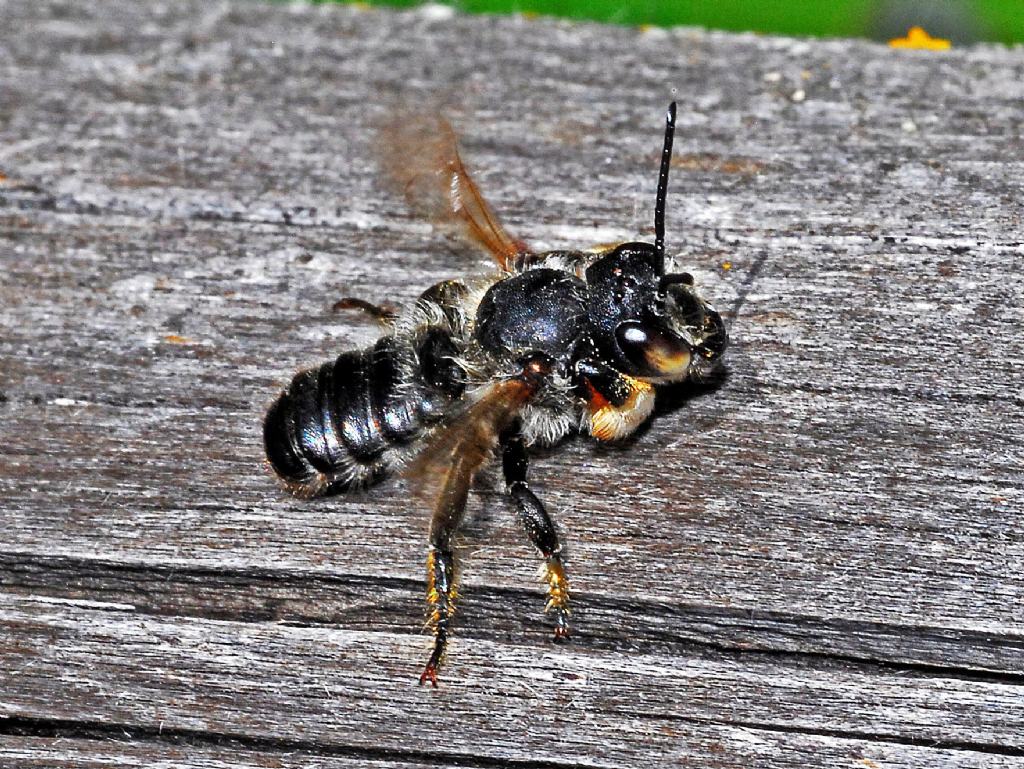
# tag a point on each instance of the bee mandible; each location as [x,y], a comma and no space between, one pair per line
[554,342]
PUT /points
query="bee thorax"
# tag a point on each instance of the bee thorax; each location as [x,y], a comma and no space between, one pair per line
[540,310]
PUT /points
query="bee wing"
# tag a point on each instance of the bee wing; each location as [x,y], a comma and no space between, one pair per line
[443,470]
[420,156]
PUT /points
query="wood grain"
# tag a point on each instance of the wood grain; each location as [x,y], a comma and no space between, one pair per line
[815,561]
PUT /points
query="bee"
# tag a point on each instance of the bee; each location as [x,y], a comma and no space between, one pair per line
[553,342]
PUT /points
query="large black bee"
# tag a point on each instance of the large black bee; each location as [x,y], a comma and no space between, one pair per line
[554,342]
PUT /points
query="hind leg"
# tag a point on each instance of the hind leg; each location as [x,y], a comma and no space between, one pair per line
[441,566]
[384,313]
[441,596]
[455,455]
[539,528]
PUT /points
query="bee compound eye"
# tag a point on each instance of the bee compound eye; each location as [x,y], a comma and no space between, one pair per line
[653,352]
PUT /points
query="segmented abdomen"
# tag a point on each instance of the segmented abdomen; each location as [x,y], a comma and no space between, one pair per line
[349,422]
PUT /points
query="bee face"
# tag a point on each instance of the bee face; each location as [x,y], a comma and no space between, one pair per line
[693,320]
[652,326]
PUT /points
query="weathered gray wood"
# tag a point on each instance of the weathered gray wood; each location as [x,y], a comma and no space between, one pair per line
[171,751]
[818,563]
[175,751]
[591,709]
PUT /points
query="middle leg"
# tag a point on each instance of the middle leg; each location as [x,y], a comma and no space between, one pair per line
[538,525]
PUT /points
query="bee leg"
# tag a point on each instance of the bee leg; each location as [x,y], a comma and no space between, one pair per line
[617,404]
[441,596]
[384,313]
[538,525]
[458,453]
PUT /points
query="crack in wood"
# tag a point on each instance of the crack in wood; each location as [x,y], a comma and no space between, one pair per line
[261,595]
[853,734]
[66,729]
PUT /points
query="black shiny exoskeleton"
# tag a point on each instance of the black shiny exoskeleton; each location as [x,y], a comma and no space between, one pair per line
[554,342]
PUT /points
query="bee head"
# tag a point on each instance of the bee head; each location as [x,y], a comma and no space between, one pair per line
[649,323]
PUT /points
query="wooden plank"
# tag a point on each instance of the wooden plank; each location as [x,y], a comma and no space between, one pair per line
[817,562]
[821,555]
[568,705]
[378,601]
[121,747]
[175,751]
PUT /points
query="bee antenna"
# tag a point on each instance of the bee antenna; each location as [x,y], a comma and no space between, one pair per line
[659,204]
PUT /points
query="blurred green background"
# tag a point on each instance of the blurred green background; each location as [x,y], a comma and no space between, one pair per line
[962,21]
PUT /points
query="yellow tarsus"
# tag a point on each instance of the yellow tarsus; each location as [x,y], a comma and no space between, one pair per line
[434,595]
[558,586]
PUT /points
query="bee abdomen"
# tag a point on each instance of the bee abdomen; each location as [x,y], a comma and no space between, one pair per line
[348,423]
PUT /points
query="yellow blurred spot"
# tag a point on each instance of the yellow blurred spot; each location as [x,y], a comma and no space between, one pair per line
[918,38]
[530,15]
[726,266]
[175,339]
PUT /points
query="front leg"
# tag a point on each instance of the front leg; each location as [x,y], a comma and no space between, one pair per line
[538,526]
[617,404]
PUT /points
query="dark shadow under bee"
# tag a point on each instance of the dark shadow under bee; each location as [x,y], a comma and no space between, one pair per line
[553,343]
